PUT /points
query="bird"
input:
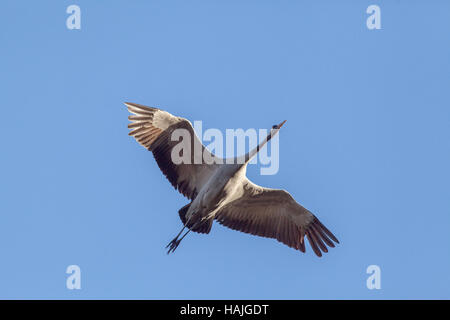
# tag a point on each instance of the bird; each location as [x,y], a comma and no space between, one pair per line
[220,191]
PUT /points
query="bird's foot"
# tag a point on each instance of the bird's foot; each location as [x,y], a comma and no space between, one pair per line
[173,245]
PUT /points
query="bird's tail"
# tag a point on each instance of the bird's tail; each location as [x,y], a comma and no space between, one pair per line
[182,212]
[202,226]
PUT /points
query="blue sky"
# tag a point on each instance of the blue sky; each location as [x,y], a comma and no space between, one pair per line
[366,145]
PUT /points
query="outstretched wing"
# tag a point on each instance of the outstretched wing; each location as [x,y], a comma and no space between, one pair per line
[275,214]
[153,129]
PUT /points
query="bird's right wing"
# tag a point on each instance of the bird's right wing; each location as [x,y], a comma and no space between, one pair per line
[275,214]
[153,129]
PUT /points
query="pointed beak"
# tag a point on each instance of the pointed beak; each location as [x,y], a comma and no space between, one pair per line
[281,124]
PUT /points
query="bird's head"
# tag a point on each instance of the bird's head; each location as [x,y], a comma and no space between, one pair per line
[278,126]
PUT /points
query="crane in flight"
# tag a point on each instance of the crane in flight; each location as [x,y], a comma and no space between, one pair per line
[221,191]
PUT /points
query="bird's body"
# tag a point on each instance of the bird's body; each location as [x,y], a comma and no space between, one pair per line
[219,190]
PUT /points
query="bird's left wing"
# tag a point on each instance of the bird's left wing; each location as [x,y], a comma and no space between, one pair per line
[153,129]
[275,214]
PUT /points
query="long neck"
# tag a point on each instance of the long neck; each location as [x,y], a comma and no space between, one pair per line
[254,151]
